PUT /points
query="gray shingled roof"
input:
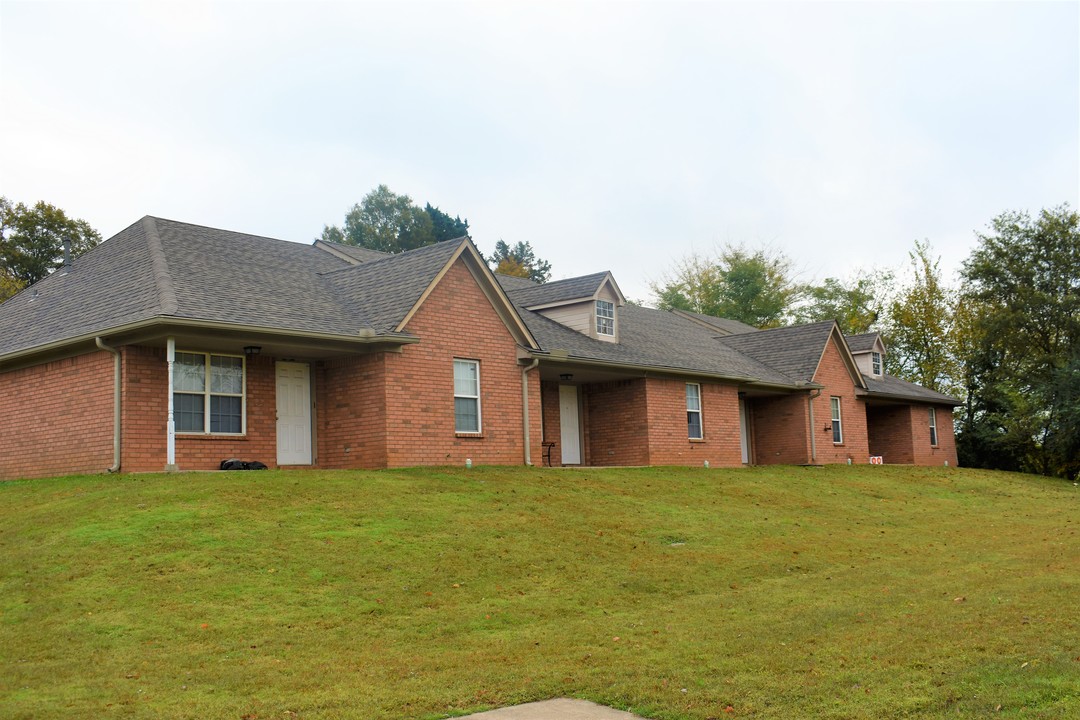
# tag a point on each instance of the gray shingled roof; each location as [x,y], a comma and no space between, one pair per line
[164,269]
[513,282]
[723,325]
[861,343]
[558,291]
[232,277]
[794,351]
[360,254]
[894,387]
[111,285]
[653,338]
[387,289]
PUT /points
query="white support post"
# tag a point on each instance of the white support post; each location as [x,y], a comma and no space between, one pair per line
[170,440]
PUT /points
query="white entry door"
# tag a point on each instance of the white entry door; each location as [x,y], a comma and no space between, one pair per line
[744,432]
[569,425]
[293,414]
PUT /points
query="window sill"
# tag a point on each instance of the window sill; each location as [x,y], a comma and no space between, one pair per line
[696,440]
[210,436]
[474,436]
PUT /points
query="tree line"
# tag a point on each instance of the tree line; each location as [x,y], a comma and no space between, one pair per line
[1005,340]
[388,222]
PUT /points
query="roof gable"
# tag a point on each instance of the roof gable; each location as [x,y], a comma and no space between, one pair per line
[837,337]
[562,292]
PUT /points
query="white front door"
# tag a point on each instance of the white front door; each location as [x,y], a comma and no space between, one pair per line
[744,432]
[569,425]
[293,414]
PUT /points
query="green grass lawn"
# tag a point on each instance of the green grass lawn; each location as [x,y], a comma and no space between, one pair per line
[834,592]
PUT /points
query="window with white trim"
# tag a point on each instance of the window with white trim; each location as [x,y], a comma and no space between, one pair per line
[933,426]
[837,428]
[693,411]
[208,393]
[466,396]
[875,358]
[605,317]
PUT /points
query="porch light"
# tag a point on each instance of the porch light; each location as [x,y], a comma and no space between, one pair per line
[567,377]
[252,350]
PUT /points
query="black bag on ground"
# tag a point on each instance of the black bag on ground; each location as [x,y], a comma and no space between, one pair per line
[234,464]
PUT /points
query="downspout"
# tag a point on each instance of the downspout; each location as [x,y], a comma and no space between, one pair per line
[813,427]
[115,467]
[525,408]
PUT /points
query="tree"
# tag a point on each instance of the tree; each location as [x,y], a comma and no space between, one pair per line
[856,304]
[756,287]
[32,242]
[519,260]
[444,226]
[1023,363]
[919,329]
[384,221]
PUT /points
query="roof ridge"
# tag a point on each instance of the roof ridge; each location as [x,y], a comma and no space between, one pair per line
[166,293]
[392,256]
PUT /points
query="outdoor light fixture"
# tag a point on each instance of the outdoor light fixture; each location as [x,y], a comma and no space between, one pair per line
[252,350]
[566,376]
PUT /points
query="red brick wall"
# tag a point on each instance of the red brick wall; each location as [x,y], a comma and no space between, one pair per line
[549,392]
[618,423]
[945,451]
[832,372]
[58,417]
[669,443]
[420,382]
[889,431]
[144,409]
[779,429]
[351,412]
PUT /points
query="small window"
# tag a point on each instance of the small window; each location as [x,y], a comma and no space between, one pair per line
[693,411]
[933,426]
[605,318]
[466,396]
[837,428]
[208,393]
[876,358]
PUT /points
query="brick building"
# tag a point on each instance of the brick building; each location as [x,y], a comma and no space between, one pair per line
[175,346]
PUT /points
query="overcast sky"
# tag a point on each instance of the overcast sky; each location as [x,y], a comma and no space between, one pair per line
[612,136]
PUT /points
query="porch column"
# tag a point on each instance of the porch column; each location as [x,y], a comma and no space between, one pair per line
[170,437]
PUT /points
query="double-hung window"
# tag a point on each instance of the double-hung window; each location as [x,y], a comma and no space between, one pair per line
[693,411]
[933,426]
[837,428]
[876,358]
[466,396]
[605,317]
[208,393]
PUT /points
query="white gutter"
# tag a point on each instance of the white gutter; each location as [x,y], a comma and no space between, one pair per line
[116,404]
[813,428]
[170,437]
[525,408]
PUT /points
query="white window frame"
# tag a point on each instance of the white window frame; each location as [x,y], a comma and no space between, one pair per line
[476,397]
[207,393]
[933,427]
[837,422]
[875,362]
[690,411]
[604,320]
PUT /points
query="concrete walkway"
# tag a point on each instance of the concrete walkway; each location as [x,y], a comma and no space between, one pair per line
[558,709]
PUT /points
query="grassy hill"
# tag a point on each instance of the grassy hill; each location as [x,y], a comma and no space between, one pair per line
[768,592]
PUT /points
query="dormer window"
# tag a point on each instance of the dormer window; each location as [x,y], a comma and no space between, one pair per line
[876,359]
[605,318]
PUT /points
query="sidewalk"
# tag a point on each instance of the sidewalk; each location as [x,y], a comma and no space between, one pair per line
[558,709]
